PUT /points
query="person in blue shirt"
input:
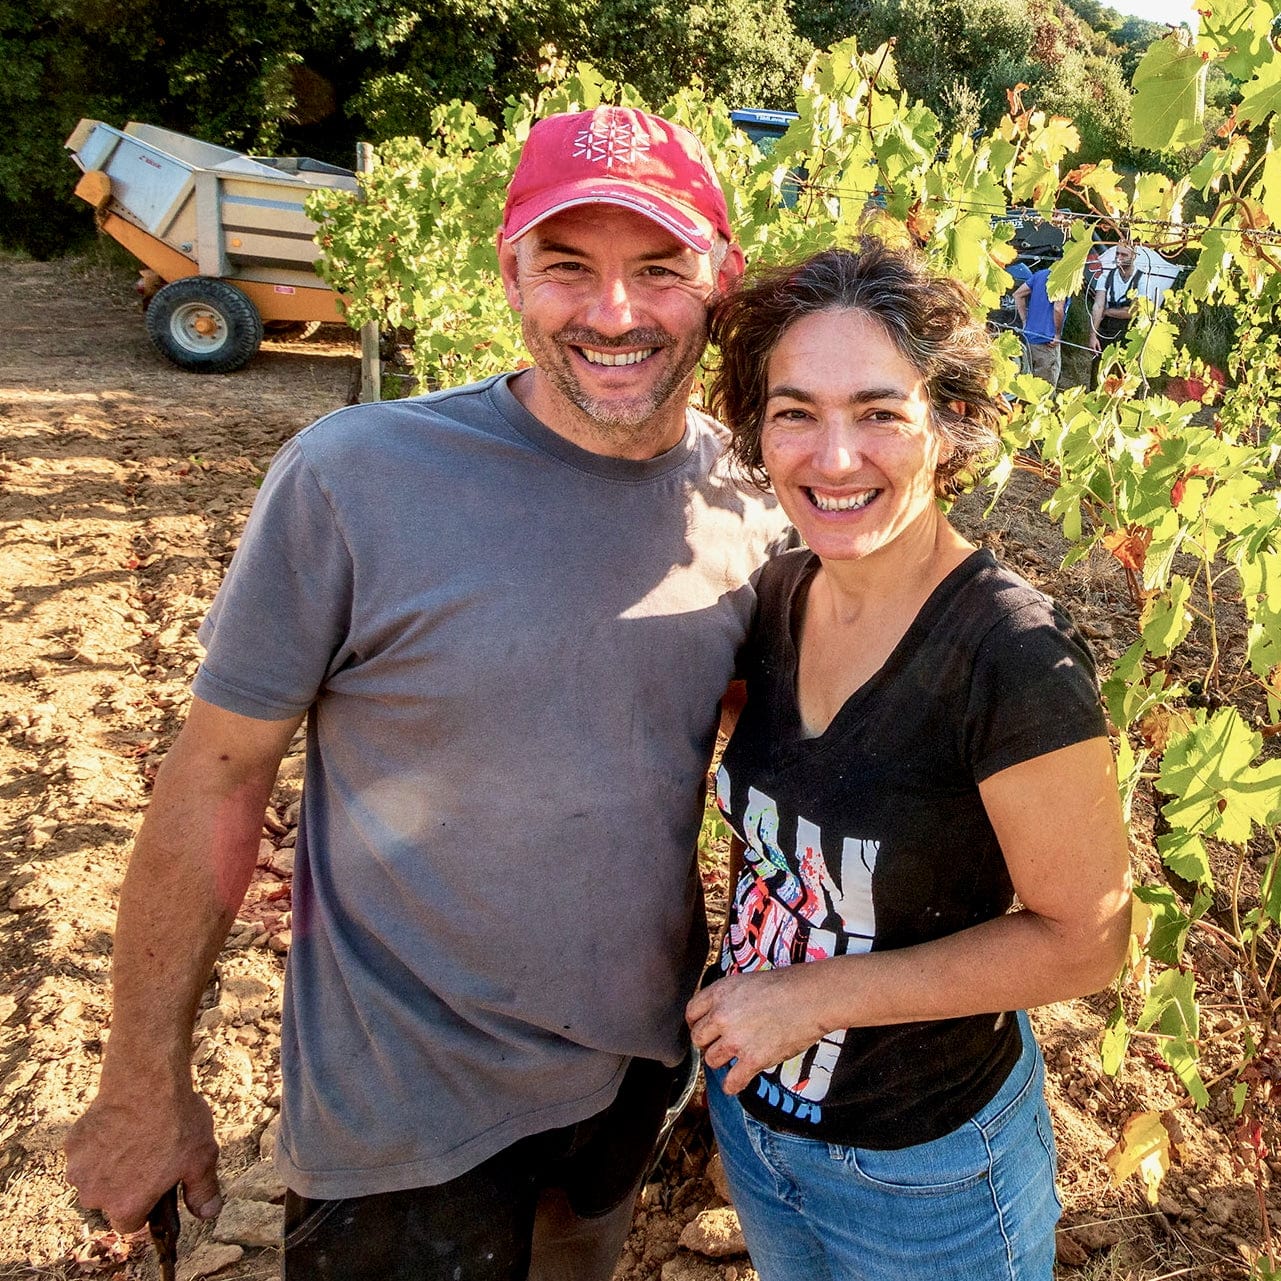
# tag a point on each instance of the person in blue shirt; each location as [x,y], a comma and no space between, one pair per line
[1042,326]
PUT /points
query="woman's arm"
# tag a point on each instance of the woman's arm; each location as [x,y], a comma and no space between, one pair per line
[1058,820]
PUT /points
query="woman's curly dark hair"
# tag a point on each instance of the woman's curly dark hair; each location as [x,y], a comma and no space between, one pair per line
[930,318]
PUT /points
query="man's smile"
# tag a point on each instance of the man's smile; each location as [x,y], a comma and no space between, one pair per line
[594,357]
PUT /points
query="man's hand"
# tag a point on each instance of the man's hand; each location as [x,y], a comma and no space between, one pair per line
[755,1021]
[125,1153]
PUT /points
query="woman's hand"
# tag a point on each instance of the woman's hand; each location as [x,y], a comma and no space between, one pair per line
[755,1021]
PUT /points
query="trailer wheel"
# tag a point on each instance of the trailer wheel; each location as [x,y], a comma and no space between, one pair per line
[205,325]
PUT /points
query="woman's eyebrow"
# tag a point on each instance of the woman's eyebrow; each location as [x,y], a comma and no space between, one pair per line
[859,398]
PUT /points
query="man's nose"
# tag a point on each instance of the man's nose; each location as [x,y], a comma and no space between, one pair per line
[611,310]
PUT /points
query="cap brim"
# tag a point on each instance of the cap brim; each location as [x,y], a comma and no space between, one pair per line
[689,228]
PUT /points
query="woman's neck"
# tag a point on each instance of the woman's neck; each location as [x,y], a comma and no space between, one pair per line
[902,573]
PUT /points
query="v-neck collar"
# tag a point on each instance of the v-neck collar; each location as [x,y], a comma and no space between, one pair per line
[928,616]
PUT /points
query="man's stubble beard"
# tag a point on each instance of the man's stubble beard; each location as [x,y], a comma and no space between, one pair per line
[615,419]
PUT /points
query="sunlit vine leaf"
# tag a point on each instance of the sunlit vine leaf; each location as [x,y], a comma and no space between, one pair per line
[1172,1008]
[1215,787]
[1169,99]
[1144,1149]
[1169,923]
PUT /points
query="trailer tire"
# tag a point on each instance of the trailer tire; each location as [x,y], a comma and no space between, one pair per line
[204,325]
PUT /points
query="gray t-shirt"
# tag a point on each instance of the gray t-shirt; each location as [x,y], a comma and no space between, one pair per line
[512,651]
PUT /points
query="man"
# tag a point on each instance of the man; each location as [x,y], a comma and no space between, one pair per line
[508,613]
[1041,322]
[1113,304]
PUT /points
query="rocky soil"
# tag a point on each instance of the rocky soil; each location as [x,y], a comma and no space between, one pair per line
[124,485]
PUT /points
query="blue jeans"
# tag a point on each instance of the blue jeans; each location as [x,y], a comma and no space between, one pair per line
[977,1204]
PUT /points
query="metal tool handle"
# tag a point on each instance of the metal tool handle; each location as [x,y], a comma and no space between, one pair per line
[165,1226]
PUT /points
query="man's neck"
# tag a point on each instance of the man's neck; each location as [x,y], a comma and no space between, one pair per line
[660,432]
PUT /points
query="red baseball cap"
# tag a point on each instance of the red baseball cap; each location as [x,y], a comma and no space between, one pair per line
[617,156]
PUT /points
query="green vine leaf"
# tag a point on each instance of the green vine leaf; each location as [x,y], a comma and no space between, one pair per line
[1116,1040]
[1170,923]
[1172,1008]
[1262,96]
[1184,853]
[1214,785]
[1238,31]
[1166,619]
[1169,100]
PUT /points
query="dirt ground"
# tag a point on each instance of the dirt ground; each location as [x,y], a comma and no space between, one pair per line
[125,484]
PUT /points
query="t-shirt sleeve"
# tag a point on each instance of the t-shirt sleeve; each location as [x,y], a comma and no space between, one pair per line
[279,622]
[1033,690]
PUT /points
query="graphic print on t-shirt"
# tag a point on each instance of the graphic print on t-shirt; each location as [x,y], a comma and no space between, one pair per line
[788,910]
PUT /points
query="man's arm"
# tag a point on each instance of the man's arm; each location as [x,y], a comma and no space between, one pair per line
[1058,319]
[1096,318]
[1021,295]
[147,1129]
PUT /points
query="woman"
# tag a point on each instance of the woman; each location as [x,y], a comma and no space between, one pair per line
[922,742]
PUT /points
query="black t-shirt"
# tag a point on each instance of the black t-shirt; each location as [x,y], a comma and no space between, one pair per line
[873,835]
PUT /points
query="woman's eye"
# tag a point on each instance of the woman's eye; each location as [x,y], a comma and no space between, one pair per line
[883,418]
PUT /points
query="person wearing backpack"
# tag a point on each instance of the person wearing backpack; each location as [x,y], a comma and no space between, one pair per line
[1113,306]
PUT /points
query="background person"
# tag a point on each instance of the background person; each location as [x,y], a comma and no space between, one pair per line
[507,613]
[1041,322]
[1113,305]
[915,713]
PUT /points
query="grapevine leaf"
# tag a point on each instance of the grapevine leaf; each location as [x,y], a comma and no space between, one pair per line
[1270,187]
[1239,31]
[1216,253]
[1215,788]
[1143,1149]
[1065,275]
[1261,592]
[1129,770]
[1158,339]
[1239,1093]
[1184,853]
[1116,1040]
[1172,1007]
[1151,192]
[1169,99]
[1166,618]
[967,241]
[1270,890]
[1262,96]
[1169,923]
[1103,181]
[1222,162]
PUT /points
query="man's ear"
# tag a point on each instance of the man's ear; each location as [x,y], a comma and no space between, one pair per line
[507,268]
[732,268]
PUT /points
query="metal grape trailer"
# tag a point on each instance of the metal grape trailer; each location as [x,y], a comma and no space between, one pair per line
[226,233]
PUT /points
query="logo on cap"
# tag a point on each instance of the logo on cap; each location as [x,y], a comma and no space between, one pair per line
[618,143]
